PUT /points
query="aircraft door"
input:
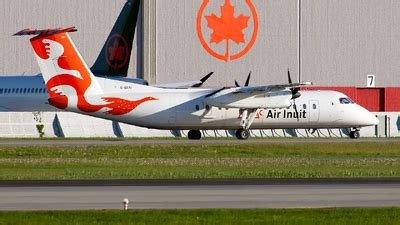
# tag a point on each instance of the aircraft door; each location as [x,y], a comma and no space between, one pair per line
[314,111]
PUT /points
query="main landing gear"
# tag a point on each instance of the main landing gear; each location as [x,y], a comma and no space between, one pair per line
[248,116]
[194,135]
[354,134]
[242,134]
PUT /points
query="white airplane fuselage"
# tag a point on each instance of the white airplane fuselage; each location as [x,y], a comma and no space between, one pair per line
[188,109]
[24,94]
[29,93]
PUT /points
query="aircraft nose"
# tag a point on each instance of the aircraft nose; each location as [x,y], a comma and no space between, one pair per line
[374,120]
[368,119]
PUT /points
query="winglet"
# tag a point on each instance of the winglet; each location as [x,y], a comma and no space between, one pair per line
[49,31]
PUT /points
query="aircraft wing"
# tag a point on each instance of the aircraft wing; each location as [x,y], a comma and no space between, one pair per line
[186,84]
[257,90]
[273,96]
[267,89]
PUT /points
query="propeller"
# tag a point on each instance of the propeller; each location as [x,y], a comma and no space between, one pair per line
[215,92]
[247,81]
[295,90]
[203,80]
[295,94]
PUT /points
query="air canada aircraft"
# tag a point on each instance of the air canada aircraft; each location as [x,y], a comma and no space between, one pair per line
[73,87]
[29,94]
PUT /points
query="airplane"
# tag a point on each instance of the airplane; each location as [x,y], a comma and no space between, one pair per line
[29,94]
[73,87]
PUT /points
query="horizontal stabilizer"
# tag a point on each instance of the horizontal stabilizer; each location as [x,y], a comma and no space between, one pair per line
[49,31]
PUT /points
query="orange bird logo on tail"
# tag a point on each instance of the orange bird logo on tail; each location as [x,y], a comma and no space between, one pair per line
[71,71]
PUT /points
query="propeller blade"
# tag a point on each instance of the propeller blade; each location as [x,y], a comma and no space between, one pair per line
[203,80]
[237,84]
[215,92]
[289,77]
[248,80]
[296,110]
[295,91]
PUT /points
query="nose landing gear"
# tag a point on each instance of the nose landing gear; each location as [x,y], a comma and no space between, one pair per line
[354,134]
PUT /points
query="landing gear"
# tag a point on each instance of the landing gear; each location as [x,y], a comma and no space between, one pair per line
[247,118]
[355,134]
[242,134]
[194,135]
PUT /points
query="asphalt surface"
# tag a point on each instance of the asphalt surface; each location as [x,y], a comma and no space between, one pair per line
[194,197]
[116,142]
[200,182]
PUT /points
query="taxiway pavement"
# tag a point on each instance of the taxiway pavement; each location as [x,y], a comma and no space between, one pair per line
[116,142]
[194,197]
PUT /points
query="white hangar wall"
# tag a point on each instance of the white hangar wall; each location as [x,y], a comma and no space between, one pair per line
[344,40]
[180,54]
[341,41]
[93,18]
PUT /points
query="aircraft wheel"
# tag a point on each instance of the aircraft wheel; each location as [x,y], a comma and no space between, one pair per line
[355,134]
[242,134]
[194,135]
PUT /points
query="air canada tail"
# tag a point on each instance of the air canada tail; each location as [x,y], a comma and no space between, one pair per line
[115,55]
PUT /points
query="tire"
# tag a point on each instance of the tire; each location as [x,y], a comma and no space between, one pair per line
[354,134]
[194,135]
[243,134]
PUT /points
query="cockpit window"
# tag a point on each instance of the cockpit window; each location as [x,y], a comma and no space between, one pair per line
[346,101]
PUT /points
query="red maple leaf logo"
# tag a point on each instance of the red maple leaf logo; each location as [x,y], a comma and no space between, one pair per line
[227,27]
[116,52]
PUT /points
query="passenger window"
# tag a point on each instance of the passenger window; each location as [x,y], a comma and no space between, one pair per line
[197,107]
[13,90]
[1,90]
[304,106]
[314,106]
[24,90]
[36,90]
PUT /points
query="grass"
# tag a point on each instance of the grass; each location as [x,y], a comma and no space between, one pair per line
[373,216]
[299,160]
